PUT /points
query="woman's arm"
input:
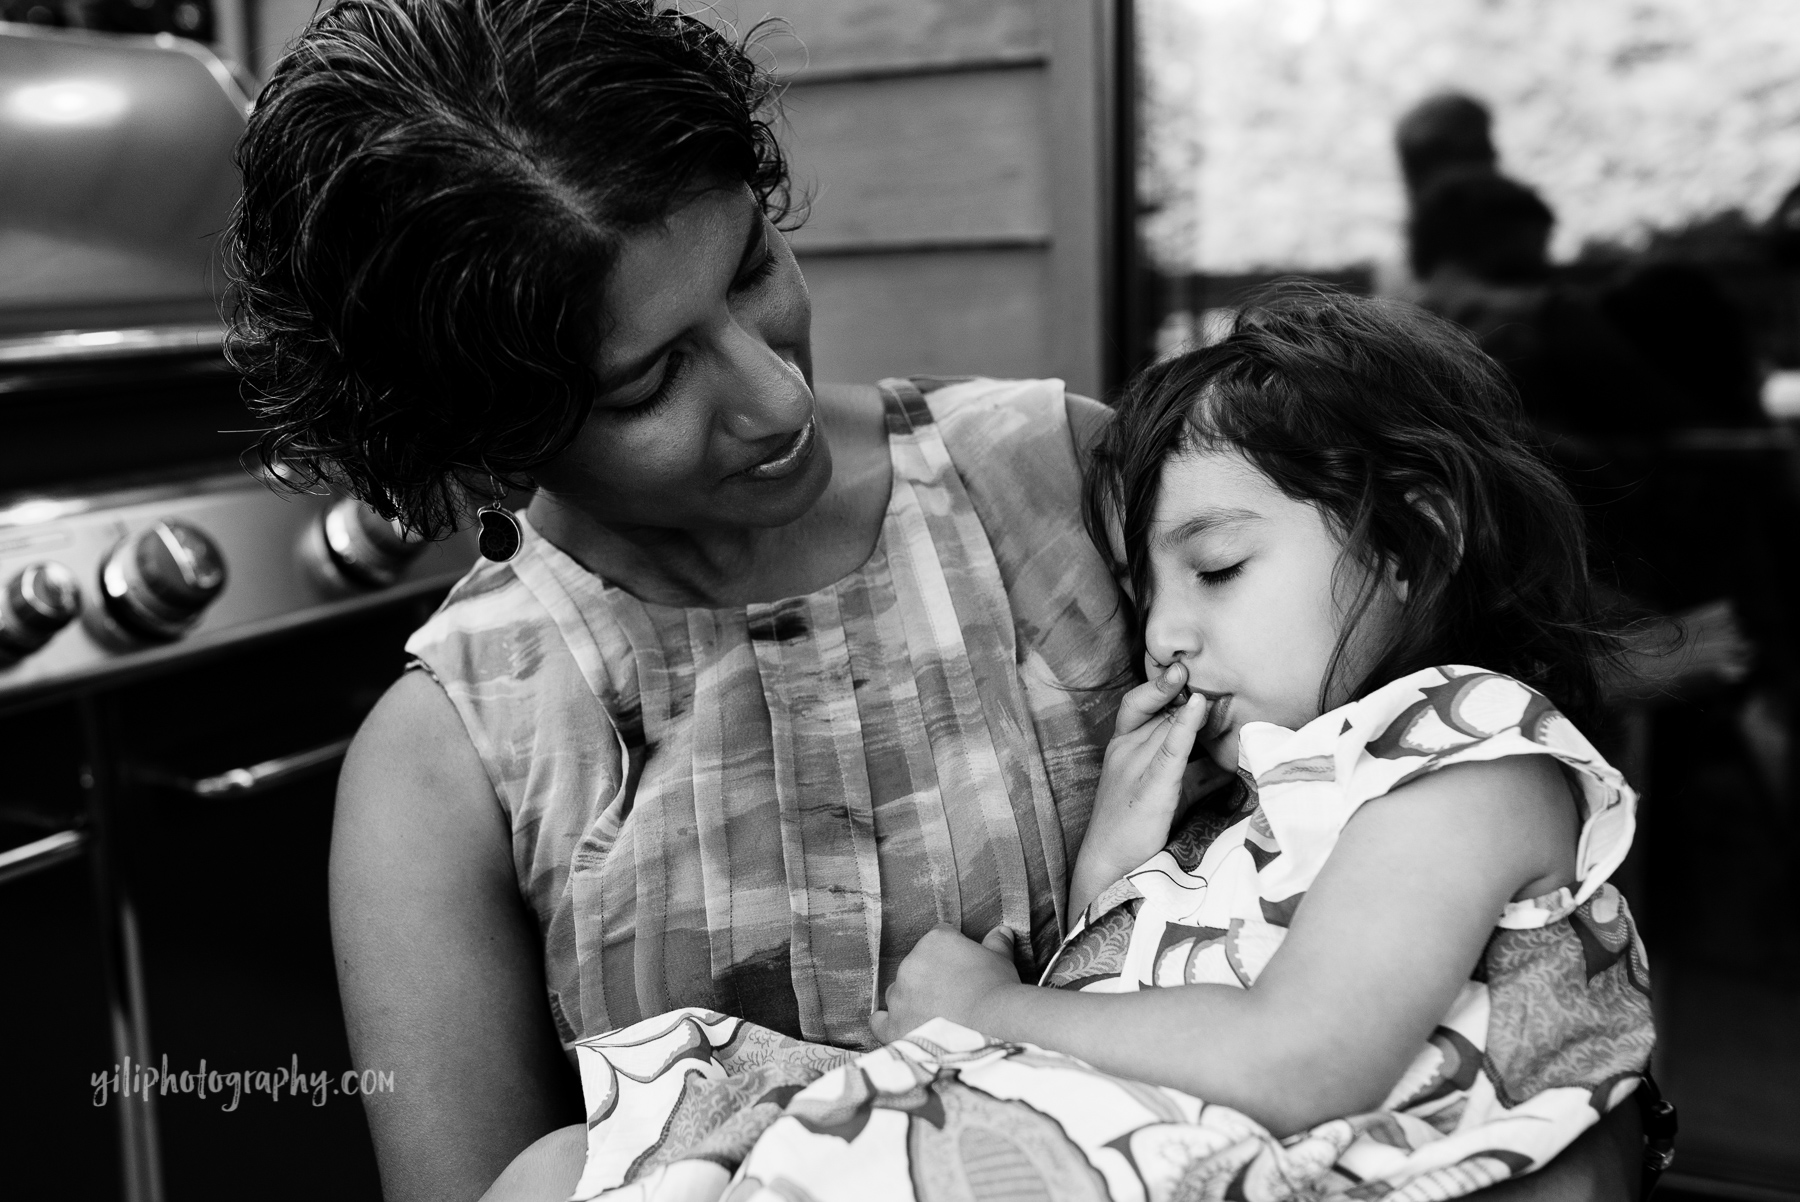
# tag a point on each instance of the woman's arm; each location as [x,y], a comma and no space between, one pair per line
[438,957]
[1383,942]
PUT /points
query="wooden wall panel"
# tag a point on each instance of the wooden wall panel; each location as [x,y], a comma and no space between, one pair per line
[977,129]
[849,34]
[969,313]
[938,158]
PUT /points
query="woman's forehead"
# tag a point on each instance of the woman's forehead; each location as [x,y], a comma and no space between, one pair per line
[670,274]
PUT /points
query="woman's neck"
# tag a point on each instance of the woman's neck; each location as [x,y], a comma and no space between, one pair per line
[727,566]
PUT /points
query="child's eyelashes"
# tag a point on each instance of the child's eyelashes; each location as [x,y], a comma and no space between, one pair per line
[1223,575]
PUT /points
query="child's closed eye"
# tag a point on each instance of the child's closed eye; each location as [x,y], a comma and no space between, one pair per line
[1223,575]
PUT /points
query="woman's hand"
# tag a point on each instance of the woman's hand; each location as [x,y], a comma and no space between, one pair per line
[947,975]
[1140,783]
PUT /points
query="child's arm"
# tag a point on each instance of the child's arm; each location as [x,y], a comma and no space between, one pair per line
[1384,940]
[1140,784]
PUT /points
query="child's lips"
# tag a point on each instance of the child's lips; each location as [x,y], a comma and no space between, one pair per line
[1218,716]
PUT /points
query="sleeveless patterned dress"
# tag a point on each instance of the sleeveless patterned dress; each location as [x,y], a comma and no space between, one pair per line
[761,809]
[1552,1030]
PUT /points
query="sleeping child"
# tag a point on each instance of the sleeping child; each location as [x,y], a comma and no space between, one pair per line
[1385,962]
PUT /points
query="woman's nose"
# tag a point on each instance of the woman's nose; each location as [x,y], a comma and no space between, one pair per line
[768,392]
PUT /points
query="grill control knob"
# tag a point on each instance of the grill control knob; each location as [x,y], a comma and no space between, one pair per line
[37,603]
[363,548]
[350,549]
[156,583]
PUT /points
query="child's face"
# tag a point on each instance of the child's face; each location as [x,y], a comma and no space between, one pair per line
[1248,593]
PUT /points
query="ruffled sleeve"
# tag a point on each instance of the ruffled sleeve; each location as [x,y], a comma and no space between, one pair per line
[1418,724]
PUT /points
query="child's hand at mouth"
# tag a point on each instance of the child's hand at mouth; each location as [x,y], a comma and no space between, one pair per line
[1140,781]
[948,975]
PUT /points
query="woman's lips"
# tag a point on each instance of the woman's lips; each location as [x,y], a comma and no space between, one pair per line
[788,459]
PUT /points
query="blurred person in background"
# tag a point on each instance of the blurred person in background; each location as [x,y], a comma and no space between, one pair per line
[1719,512]
[1610,379]
[1637,387]
[1718,503]
[1445,132]
[1479,244]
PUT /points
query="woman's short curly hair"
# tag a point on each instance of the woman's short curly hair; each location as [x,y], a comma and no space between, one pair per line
[433,191]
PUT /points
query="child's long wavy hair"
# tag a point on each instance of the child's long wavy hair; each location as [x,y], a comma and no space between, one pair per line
[1408,438]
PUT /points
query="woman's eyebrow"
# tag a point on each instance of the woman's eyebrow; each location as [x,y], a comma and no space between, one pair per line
[1205,522]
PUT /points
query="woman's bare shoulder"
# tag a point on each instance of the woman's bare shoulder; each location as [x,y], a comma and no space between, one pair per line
[413,745]
[414,703]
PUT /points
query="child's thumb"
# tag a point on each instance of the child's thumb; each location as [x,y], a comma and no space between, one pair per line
[1000,941]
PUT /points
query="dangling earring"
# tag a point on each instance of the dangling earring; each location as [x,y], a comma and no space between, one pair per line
[501,534]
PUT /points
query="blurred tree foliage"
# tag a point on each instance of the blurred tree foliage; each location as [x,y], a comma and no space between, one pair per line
[1269,123]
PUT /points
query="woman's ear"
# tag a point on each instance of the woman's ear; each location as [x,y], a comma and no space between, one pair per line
[1442,513]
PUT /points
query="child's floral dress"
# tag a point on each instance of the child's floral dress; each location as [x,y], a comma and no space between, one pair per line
[1552,1030]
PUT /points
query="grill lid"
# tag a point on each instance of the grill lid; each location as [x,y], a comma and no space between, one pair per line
[116,178]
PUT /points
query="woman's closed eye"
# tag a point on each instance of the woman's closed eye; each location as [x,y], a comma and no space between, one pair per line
[760,270]
[650,402]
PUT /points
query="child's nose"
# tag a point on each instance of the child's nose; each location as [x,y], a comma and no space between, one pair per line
[1167,638]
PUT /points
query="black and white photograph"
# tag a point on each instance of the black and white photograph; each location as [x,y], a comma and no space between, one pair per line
[900,600]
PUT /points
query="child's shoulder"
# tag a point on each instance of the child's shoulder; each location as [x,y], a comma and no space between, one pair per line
[1437,719]
[1429,719]
[1445,712]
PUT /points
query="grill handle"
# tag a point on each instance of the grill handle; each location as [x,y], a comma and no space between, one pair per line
[40,853]
[244,782]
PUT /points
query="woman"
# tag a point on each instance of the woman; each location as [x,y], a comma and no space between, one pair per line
[775,681]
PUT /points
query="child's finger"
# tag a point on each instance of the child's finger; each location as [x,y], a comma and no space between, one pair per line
[1172,757]
[1150,698]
